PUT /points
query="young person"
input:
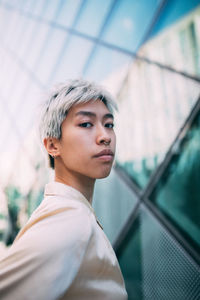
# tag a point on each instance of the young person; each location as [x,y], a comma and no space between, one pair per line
[62,252]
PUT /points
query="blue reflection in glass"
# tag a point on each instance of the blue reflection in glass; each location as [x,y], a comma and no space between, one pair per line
[129,23]
[104,62]
[50,10]
[39,7]
[67,11]
[174,10]
[72,59]
[94,12]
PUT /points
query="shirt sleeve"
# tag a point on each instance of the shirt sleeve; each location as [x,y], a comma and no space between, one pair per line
[44,261]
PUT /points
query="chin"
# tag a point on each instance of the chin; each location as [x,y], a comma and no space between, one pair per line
[103,174]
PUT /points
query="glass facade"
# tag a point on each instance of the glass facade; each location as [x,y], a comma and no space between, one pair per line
[148,56]
[177,192]
[157,266]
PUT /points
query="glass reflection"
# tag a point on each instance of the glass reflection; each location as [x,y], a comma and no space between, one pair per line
[39,7]
[28,35]
[33,51]
[50,10]
[67,11]
[49,54]
[94,12]
[153,104]
[27,6]
[17,33]
[126,28]
[177,193]
[177,46]
[105,63]
[130,260]
[70,63]
[154,265]
[113,203]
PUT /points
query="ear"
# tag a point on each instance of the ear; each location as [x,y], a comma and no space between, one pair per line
[52,146]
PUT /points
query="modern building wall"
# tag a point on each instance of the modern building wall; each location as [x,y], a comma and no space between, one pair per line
[147,54]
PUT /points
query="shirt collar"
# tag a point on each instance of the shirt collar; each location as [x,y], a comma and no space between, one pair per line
[60,189]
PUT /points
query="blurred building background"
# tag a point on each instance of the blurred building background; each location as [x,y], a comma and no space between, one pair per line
[147,54]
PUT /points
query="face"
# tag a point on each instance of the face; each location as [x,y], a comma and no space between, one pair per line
[87,144]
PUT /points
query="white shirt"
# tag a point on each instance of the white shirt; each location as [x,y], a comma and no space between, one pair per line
[62,253]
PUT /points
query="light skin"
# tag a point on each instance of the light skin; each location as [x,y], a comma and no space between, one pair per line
[86,132]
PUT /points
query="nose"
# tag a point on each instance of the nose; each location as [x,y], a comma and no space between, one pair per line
[103,137]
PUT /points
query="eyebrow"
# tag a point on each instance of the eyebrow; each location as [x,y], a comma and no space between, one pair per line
[91,114]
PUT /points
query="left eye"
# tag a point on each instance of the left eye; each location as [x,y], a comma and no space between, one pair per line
[86,124]
[109,125]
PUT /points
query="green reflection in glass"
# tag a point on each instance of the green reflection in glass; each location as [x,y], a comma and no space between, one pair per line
[130,262]
[34,198]
[113,203]
[140,171]
[14,199]
[177,193]
[195,48]
[154,266]
[150,117]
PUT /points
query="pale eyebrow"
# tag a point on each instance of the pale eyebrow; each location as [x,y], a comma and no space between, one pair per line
[91,114]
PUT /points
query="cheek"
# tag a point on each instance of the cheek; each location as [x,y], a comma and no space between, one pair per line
[75,146]
[114,140]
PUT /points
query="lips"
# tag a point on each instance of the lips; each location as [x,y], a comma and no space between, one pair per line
[106,152]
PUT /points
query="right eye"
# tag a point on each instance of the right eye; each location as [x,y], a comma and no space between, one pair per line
[86,125]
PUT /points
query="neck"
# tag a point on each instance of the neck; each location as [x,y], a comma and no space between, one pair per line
[79,182]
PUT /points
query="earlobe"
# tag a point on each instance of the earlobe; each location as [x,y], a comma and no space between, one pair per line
[51,145]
